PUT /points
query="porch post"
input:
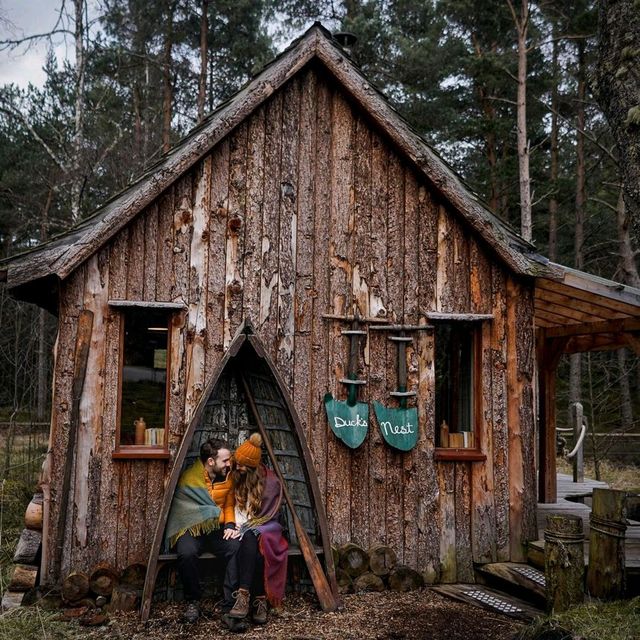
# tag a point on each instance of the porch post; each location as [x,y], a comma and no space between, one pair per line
[549,352]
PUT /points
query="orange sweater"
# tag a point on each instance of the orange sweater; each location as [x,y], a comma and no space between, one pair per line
[223,495]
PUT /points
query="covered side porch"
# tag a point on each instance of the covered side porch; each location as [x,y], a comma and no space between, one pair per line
[575,312]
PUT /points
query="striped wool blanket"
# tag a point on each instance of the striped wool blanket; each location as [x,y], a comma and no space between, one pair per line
[193,508]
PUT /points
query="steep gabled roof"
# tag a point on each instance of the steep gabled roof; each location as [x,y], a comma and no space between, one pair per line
[59,257]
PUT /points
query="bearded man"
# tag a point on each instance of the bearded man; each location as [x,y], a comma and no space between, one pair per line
[202,519]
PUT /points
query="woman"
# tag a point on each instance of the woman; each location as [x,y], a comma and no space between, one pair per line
[261,560]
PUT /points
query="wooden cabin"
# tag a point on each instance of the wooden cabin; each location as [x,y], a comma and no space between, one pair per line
[303,204]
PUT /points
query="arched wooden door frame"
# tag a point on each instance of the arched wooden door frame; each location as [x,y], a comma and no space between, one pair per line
[244,335]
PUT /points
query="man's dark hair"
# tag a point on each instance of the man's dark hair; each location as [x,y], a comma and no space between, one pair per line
[210,448]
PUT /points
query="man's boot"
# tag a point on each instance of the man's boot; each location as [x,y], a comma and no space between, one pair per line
[259,610]
[192,612]
[241,607]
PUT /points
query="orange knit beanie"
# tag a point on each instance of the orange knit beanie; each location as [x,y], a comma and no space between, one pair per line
[249,452]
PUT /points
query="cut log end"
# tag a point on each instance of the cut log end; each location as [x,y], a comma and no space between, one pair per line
[123,598]
[103,579]
[403,578]
[368,582]
[353,559]
[75,586]
[382,559]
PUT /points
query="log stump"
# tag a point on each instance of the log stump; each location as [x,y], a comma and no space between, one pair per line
[134,576]
[33,514]
[23,578]
[344,580]
[382,559]
[123,598]
[368,582]
[353,559]
[403,578]
[75,586]
[563,562]
[606,577]
[103,579]
[28,547]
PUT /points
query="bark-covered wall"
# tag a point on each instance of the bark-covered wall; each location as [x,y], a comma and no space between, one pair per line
[305,210]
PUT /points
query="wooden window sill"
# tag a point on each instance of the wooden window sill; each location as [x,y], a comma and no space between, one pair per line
[459,454]
[137,453]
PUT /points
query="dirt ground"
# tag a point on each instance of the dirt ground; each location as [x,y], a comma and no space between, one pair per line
[369,616]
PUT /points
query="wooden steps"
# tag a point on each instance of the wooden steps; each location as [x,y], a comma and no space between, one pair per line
[491,599]
[515,578]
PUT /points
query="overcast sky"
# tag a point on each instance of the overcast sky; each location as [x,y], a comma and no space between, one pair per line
[19,18]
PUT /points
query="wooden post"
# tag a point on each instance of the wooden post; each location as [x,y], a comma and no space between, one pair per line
[577,418]
[606,575]
[564,562]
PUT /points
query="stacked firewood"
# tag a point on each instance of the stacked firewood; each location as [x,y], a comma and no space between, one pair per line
[375,569]
[27,556]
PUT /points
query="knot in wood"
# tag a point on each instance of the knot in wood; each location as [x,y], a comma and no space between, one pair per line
[235,224]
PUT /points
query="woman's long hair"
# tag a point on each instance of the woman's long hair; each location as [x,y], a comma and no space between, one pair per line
[248,488]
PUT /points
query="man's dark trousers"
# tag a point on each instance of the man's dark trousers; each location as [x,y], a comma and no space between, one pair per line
[190,547]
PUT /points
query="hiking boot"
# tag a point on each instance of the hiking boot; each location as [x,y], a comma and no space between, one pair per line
[241,607]
[259,610]
[235,625]
[192,612]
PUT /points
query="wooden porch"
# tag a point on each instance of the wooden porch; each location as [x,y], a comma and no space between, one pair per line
[569,495]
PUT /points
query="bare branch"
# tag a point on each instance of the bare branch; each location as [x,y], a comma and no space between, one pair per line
[12,44]
[16,113]
[582,131]
[603,202]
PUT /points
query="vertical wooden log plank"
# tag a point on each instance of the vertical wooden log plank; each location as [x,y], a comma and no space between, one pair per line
[123,502]
[154,243]
[525,353]
[445,301]
[461,268]
[338,455]
[165,279]
[514,402]
[395,280]
[377,365]
[411,459]
[319,373]
[137,477]
[253,226]
[71,298]
[152,246]
[88,466]
[428,520]
[499,413]
[483,535]
[217,258]
[360,283]
[107,536]
[464,559]
[268,317]
[235,232]
[182,230]
[199,268]
[303,303]
[288,229]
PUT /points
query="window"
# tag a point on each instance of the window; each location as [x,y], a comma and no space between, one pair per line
[457,371]
[144,358]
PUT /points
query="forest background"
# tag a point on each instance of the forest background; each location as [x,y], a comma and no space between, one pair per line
[535,104]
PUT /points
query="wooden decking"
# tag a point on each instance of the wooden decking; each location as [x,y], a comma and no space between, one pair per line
[568,489]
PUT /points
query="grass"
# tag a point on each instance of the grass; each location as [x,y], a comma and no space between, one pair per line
[615,474]
[619,620]
[25,623]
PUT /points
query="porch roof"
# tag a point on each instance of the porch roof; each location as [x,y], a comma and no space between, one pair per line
[587,312]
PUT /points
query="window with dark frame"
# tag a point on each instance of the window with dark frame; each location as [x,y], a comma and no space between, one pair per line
[143,379]
[455,354]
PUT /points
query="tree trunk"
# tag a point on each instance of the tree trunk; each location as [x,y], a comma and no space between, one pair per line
[77,175]
[167,88]
[575,378]
[617,89]
[202,80]
[522,25]
[553,200]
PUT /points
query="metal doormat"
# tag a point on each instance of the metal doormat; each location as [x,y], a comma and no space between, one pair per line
[533,574]
[493,602]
